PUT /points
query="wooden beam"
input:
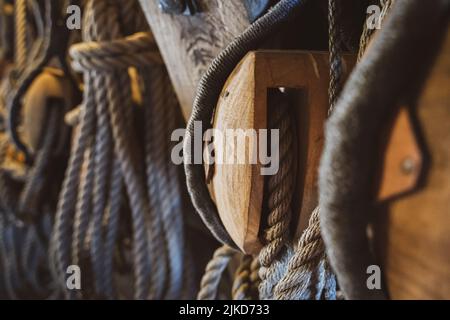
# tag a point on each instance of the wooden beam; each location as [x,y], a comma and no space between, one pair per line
[189,43]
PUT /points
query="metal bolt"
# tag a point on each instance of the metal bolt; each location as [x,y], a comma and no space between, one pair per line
[408,166]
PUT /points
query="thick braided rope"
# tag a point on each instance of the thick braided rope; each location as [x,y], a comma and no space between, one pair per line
[20,21]
[116,199]
[60,244]
[157,252]
[116,84]
[209,285]
[83,208]
[163,184]
[102,151]
[303,278]
[246,279]
[143,240]
[255,280]
[279,196]
[96,13]
[63,226]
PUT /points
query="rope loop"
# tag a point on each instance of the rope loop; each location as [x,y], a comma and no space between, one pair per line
[137,50]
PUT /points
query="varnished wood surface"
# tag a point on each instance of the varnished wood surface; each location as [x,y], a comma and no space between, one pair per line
[189,43]
[414,233]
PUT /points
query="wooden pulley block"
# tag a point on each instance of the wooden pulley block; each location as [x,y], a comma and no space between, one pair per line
[51,83]
[238,188]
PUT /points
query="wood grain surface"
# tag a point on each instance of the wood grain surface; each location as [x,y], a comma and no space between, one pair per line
[189,43]
[413,233]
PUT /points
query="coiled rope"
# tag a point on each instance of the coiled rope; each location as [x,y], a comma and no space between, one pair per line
[108,170]
[27,191]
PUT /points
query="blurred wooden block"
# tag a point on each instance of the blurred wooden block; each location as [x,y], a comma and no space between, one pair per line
[413,233]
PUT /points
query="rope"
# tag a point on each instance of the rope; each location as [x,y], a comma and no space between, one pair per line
[215,268]
[23,251]
[246,279]
[20,18]
[284,273]
[335,48]
[280,189]
[305,273]
[110,177]
[27,191]
[308,275]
